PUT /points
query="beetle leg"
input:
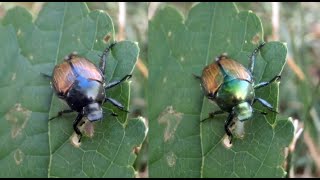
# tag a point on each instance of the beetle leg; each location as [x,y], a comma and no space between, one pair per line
[212,114]
[226,127]
[263,84]
[46,75]
[252,58]
[117,104]
[265,104]
[196,76]
[261,112]
[75,126]
[60,113]
[115,83]
[114,114]
[103,58]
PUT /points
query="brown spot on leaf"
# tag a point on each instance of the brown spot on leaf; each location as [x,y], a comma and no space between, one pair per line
[136,150]
[18,156]
[171,159]
[19,32]
[106,38]
[171,119]
[255,39]
[13,76]
[18,117]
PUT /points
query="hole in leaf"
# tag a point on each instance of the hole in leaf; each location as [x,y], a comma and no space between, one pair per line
[75,140]
[226,142]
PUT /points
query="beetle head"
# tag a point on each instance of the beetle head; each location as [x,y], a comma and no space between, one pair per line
[93,112]
[243,111]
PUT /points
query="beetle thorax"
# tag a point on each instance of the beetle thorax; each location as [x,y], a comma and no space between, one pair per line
[83,92]
[234,92]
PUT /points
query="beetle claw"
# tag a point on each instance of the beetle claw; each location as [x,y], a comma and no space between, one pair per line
[230,138]
[80,136]
[114,114]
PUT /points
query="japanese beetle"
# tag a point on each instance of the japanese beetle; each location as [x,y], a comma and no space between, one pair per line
[232,87]
[81,84]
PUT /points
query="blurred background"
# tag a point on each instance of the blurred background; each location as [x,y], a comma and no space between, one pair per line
[295,23]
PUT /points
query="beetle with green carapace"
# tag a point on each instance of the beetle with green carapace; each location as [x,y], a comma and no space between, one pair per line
[232,87]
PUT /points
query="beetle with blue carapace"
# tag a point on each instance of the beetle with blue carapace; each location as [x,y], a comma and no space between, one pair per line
[81,84]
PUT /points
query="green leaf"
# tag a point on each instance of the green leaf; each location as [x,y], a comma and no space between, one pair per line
[30,145]
[181,146]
